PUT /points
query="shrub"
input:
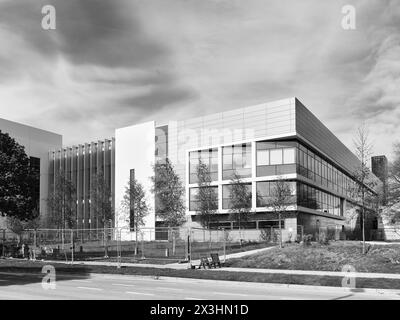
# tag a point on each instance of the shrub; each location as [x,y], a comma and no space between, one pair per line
[307,240]
[265,235]
[323,238]
[227,236]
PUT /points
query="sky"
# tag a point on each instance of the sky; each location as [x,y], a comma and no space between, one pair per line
[114,63]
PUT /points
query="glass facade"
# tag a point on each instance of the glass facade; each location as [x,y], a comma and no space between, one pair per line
[313,198]
[262,224]
[265,191]
[194,197]
[276,158]
[226,191]
[208,157]
[161,143]
[313,167]
[236,159]
[35,164]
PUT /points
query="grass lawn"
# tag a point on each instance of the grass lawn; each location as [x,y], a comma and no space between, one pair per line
[154,252]
[332,257]
[81,270]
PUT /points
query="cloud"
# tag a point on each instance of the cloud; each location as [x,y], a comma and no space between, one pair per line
[115,63]
[98,60]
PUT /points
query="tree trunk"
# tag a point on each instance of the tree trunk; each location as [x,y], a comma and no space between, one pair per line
[280,230]
[105,243]
[363,231]
[136,240]
[240,234]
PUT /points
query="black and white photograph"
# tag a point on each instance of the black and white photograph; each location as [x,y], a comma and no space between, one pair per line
[197,155]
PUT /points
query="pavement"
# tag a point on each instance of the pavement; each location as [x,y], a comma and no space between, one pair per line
[113,286]
[122,287]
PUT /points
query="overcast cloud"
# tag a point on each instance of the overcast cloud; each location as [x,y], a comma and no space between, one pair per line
[115,63]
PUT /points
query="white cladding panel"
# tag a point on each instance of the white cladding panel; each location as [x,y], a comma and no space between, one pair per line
[272,119]
[134,149]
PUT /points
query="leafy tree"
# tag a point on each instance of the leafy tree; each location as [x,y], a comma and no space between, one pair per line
[240,201]
[18,226]
[134,207]
[101,196]
[169,194]
[18,181]
[207,197]
[62,202]
[281,197]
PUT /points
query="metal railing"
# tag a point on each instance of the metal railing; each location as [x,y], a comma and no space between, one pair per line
[147,245]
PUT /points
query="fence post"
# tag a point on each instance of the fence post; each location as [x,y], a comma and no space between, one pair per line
[72,246]
[105,241]
[189,249]
[224,236]
[62,238]
[173,243]
[142,234]
[34,245]
[118,249]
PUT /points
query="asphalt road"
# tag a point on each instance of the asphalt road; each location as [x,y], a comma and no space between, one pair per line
[101,286]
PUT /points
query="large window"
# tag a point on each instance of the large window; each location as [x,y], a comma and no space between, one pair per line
[276,158]
[316,199]
[265,191]
[208,157]
[313,167]
[194,200]
[226,192]
[271,224]
[236,159]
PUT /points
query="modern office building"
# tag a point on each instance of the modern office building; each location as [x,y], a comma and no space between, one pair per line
[81,165]
[37,143]
[262,143]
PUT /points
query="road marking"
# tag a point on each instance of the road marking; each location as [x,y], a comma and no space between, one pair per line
[190,298]
[77,280]
[232,294]
[166,288]
[123,285]
[141,293]
[89,288]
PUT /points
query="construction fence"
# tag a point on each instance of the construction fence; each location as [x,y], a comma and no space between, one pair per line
[148,245]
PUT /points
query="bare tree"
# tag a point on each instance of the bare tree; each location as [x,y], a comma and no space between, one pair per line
[207,197]
[281,197]
[101,197]
[363,149]
[62,203]
[240,198]
[394,176]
